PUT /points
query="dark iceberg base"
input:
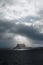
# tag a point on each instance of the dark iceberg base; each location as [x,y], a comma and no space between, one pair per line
[21,57]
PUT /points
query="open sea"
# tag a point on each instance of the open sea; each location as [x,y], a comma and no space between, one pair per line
[21,57]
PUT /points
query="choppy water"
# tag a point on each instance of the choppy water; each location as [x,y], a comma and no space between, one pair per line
[21,57]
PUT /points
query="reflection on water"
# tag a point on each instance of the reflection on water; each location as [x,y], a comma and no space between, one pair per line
[21,49]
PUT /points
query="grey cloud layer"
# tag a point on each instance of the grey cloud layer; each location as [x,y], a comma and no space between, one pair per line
[31,32]
[18,11]
[14,9]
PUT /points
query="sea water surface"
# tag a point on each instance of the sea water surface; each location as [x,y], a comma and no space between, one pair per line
[21,57]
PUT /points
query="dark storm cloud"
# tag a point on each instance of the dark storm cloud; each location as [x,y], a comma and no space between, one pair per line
[29,32]
[6,37]
[9,29]
[22,29]
[5,26]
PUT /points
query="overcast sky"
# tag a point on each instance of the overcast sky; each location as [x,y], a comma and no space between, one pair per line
[21,22]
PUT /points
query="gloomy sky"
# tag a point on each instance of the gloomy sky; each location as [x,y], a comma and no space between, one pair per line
[21,22]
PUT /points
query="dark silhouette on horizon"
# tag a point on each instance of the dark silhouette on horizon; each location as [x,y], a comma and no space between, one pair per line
[20,46]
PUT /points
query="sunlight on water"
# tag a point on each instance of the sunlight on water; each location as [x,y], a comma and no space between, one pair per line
[21,49]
